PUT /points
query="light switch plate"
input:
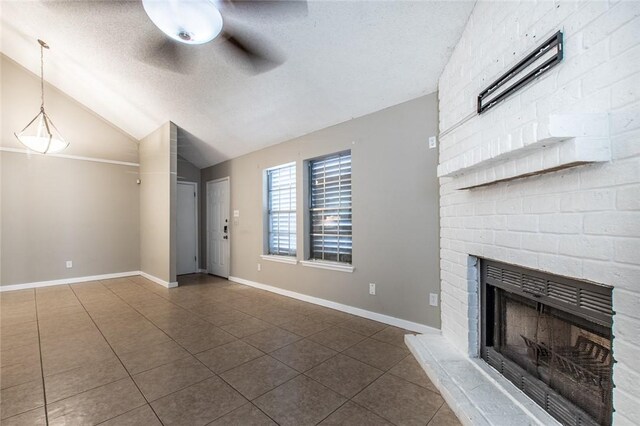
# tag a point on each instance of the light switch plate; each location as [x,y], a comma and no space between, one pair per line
[69,264]
[432,142]
[433,299]
[236,213]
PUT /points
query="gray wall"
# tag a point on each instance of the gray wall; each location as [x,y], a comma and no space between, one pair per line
[88,133]
[187,172]
[395,212]
[158,164]
[57,209]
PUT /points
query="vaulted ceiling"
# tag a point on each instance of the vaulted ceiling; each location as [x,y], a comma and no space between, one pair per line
[344,59]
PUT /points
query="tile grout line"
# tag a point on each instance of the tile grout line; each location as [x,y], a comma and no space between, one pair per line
[387,371]
[126,412]
[437,411]
[193,355]
[244,363]
[241,339]
[187,310]
[338,324]
[333,356]
[384,371]
[44,390]
[116,355]
[204,318]
[363,389]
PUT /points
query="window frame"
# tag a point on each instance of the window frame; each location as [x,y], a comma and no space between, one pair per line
[308,219]
[267,248]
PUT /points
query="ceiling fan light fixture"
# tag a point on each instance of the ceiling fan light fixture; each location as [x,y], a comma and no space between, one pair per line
[186,21]
[40,135]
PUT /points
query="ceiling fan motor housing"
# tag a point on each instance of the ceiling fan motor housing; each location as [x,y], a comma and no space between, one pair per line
[191,22]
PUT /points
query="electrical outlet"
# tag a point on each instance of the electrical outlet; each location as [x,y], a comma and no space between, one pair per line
[259,267]
[432,142]
[372,289]
[69,264]
[433,299]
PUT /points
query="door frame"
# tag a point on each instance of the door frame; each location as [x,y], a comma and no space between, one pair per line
[208,226]
[197,205]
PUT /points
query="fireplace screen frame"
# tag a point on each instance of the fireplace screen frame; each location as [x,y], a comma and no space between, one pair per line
[586,303]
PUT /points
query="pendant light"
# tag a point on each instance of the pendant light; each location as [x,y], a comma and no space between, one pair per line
[40,134]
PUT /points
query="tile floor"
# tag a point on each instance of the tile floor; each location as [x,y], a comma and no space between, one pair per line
[130,352]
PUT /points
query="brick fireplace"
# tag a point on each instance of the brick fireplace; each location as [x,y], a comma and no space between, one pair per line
[554,170]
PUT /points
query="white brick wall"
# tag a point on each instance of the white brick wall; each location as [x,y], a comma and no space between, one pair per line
[583,222]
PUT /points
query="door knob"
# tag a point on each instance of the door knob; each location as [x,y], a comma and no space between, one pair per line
[225,229]
[226,237]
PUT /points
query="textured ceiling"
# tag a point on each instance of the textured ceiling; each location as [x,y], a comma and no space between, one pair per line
[344,60]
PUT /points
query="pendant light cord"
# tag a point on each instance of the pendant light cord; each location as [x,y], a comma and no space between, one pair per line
[43,45]
[42,76]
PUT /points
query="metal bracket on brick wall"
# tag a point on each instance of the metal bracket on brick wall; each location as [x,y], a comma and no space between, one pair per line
[536,63]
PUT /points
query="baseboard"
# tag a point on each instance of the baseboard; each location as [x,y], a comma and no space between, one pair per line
[157,280]
[386,319]
[68,281]
[202,271]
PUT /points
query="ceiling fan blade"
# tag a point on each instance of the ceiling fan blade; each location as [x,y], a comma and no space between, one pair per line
[283,8]
[251,50]
[169,55]
[154,49]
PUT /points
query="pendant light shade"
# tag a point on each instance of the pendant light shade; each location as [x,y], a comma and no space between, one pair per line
[41,135]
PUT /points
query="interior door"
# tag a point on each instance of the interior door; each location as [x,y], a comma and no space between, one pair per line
[218,227]
[187,228]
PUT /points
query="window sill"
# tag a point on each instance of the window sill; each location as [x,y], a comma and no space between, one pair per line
[334,266]
[282,259]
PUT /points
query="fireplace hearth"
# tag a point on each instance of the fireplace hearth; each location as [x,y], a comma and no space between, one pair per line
[551,337]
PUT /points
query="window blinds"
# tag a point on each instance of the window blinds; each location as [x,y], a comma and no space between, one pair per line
[281,193]
[330,208]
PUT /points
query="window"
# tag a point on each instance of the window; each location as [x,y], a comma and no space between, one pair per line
[281,210]
[330,208]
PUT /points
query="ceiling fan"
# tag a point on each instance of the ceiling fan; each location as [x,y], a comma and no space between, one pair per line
[197,22]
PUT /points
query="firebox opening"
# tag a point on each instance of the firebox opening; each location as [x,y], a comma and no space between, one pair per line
[548,335]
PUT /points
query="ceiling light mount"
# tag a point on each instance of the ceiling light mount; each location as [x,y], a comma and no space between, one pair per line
[185,36]
[41,135]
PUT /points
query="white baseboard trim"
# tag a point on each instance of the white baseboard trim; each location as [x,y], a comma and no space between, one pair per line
[157,280]
[202,271]
[386,319]
[68,281]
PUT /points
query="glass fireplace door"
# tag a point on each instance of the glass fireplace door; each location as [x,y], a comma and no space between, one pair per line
[550,338]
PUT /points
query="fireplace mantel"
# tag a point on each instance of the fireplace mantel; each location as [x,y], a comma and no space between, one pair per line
[557,142]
